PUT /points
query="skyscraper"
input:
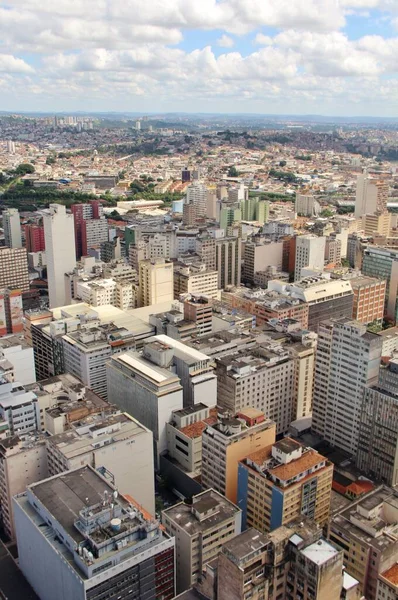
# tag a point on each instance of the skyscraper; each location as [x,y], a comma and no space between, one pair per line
[59,234]
[197,195]
[12,228]
[371,196]
[348,359]
[155,281]
[310,252]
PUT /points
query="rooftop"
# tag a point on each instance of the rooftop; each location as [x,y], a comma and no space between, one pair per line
[320,552]
[307,461]
[244,544]
[392,575]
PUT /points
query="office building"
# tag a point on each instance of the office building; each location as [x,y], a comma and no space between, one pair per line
[11,311]
[94,232]
[195,279]
[184,437]
[347,359]
[228,261]
[278,483]
[116,445]
[155,280]
[325,298]
[371,196]
[86,350]
[205,247]
[310,252]
[383,263]
[19,408]
[111,250]
[367,532]
[333,251]
[23,460]
[12,228]
[143,386]
[259,255]
[226,442]
[189,215]
[14,269]
[369,299]
[306,206]
[376,224]
[34,238]
[377,453]
[60,251]
[355,250]
[92,541]
[199,310]
[17,359]
[200,529]
[262,378]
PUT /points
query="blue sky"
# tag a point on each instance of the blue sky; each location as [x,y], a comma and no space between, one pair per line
[272,56]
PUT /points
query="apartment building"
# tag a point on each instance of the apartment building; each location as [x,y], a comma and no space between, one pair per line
[373,224]
[12,228]
[255,209]
[333,251]
[280,482]
[306,205]
[184,436]
[369,299]
[14,269]
[17,358]
[195,279]
[34,238]
[371,195]
[378,427]
[155,280]
[387,584]
[92,541]
[226,442]
[383,264]
[310,252]
[97,292]
[116,445]
[199,310]
[262,378]
[367,532]
[205,247]
[197,197]
[200,529]
[19,408]
[23,460]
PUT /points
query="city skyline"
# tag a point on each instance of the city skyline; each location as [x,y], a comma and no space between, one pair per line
[319,57]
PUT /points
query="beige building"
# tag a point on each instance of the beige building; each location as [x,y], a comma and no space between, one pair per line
[200,530]
[228,261]
[195,279]
[377,224]
[117,445]
[14,269]
[155,279]
[371,196]
[184,437]
[226,442]
[280,482]
[304,361]
[387,584]
[22,461]
[369,299]
[199,310]
[259,255]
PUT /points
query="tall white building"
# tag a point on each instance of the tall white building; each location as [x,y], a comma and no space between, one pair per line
[371,196]
[306,205]
[348,359]
[155,282]
[59,235]
[12,228]
[197,195]
[310,252]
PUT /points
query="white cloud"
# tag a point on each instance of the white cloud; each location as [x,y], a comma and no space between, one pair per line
[11,64]
[225,41]
[263,40]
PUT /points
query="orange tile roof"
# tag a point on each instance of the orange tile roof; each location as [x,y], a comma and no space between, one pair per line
[360,487]
[194,430]
[147,516]
[392,574]
[307,461]
[260,456]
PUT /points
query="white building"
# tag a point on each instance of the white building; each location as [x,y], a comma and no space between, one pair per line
[116,445]
[98,292]
[310,252]
[19,408]
[17,357]
[347,359]
[197,195]
[12,228]
[59,235]
[371,196]
[306,205]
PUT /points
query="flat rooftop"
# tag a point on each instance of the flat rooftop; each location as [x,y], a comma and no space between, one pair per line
[244,544]
[320,552]
[181,350]
[146,368]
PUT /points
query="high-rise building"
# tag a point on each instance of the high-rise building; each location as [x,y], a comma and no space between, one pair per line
[377,224]
[378,428]
[155,280]
[197,195]
[369,299]
[199,309]
[278,483]
[229,215]
[117,445]
[14,269]
[200,529]
[226,442]
[347,359]
[91,228]
[259,255]
[310,252]
[34,238]
[12,228]
[195,279]
[92,542]
[371,196]
[205,247]
[185,175]
[60,251]
[189,214]
[228,261]
[306,205]
[255,209]
[383,263]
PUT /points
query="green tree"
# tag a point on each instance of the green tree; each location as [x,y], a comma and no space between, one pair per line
[24,169]
[50,160]
[326,213]
[233,171]
[282,163]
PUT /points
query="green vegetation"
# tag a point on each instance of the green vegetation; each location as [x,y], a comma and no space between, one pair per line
[344,210]
[375,327]
[303,157]
[233,171]
[144,189]
[286,176]
[28,198]
[326,213]
[24,169]
[282,163]
[273,196]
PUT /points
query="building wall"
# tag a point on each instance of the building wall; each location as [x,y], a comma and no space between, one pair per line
[60,251]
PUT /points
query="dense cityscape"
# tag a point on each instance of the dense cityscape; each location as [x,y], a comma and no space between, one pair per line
[198,357]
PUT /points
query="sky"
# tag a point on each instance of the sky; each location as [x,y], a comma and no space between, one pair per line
[330,57]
